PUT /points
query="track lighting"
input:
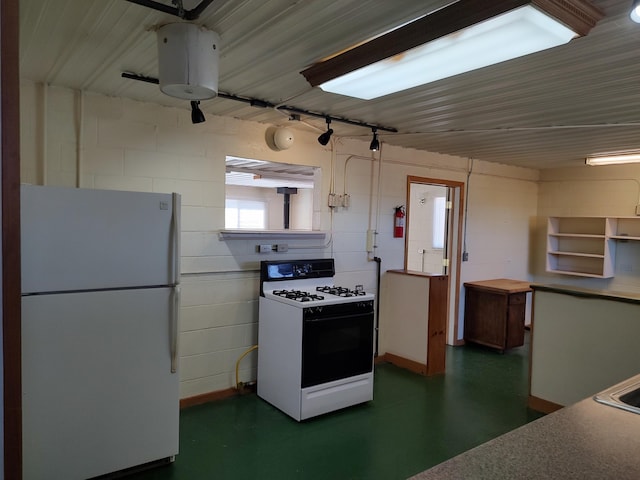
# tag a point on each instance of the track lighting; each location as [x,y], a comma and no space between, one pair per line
[375,144]
[196,114]
[326,136]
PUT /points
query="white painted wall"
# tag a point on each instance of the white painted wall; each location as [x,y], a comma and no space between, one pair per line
[589,191]
[128,145]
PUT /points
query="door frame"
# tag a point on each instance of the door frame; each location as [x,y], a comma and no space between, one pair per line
[10,205]
[454,248]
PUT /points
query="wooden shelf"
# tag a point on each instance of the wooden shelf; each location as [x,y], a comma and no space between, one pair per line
[578,274]
[625,237]
[576,254]
[576,235]
[586,246]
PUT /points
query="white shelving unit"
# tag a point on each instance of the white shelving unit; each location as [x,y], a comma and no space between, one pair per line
[586,246]
[581,246]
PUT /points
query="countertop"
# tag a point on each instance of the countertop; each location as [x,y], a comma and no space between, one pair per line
[628,297]
[501,285]
[414,273]
[587,440]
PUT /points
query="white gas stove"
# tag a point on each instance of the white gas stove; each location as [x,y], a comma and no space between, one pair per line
[315,339]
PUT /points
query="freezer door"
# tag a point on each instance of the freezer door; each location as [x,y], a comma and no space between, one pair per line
[98,392]
[77,239]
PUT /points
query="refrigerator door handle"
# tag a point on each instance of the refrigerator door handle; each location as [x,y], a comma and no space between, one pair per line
[173,327]
[175,220]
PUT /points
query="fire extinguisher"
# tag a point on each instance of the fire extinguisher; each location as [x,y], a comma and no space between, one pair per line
[398,222]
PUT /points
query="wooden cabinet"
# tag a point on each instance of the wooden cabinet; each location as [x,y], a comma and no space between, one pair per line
[494,312]
[586,246]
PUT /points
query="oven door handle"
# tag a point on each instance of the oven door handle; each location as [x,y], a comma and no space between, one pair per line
[339,317]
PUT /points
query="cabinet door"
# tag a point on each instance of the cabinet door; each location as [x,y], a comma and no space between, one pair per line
[485,321]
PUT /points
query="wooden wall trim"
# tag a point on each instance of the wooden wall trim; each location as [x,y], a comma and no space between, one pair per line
[542,405]
[411,365]
[437,324]
[11,283]
[207,397]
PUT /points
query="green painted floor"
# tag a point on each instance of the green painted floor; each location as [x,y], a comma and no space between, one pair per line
[412,424]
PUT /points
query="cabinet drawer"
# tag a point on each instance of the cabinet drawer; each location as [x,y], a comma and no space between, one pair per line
[517,298]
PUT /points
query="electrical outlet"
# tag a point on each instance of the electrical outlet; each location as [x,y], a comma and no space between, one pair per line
[264,248]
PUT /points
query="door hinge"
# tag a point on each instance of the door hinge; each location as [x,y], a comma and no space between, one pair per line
[445,262]
[449,205]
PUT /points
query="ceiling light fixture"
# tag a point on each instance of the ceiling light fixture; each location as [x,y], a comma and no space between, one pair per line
[375,144]
[463,36]
[635,11]
[326,136]
[188,61]
[613,159]
[196,114]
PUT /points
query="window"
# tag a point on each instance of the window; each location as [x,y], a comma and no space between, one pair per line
[254,199]
[245,214]
[439,216]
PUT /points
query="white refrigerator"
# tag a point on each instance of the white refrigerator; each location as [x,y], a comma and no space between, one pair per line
[100,304]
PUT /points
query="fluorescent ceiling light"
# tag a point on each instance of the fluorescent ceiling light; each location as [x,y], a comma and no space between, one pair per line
[507,36]
[613,159]
[635,11]
[464,36]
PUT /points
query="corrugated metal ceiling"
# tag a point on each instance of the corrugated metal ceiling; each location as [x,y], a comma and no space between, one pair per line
[544,110]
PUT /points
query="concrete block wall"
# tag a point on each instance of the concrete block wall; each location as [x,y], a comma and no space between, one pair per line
[95,141]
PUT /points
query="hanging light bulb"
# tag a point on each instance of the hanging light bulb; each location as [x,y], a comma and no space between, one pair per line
[326,136]
[196,114]
[375,144]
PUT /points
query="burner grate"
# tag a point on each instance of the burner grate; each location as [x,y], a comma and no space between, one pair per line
[341,291]
[298,295]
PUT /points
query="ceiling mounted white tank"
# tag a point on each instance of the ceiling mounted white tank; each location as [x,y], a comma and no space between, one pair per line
[188,61]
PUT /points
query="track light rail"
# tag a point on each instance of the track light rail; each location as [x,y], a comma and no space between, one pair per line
[255,102]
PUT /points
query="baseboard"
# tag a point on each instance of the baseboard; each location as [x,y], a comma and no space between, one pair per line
[541,405]
[208,397]
[411,365]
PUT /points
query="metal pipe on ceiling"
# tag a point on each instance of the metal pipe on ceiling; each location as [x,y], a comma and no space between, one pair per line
[178,11]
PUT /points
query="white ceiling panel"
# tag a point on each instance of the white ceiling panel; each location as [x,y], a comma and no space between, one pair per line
[544,110]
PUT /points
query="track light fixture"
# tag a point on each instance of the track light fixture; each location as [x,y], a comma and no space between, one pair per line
[375,144]
[254,102]
[196,114]
[326,136]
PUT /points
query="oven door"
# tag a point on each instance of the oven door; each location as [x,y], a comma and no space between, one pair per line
[337,342]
